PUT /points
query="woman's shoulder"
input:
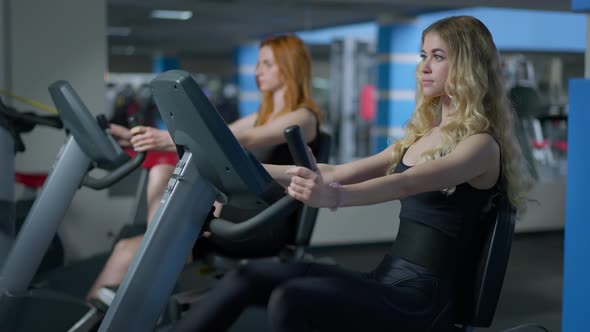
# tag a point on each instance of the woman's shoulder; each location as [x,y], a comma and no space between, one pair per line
[305,113]
[481,142]
[481,138]
[303,109]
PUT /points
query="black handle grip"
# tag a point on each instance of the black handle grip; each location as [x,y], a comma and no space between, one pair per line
[25,122]
[103,122]
[134,120]
[248,229]
[297,146]
[50,121]
[114,176]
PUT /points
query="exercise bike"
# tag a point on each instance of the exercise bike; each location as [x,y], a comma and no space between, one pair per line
[12,125]
[213,167]
[88,146]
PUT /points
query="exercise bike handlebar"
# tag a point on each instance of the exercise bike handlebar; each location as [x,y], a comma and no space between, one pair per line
[25,122]
[121,171]
[280,209]
[17,123]
[41,120]
[297,146]
[115,175]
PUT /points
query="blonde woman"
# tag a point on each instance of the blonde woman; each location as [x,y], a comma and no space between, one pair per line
[457,154]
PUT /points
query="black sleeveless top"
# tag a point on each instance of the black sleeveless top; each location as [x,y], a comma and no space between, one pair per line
[447,213]
[280,154]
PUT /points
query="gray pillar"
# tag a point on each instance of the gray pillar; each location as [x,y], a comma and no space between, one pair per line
[46,41]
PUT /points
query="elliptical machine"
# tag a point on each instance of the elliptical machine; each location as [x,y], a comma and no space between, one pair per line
[87,147]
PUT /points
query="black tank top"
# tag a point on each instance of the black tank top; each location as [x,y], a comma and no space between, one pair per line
[280,154]
[444,212]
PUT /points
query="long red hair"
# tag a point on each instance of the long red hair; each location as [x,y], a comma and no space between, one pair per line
[294,64]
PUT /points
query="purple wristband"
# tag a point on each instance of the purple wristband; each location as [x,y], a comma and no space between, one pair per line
[338,186]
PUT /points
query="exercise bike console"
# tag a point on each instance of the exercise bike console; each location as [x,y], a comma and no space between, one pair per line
[104,152]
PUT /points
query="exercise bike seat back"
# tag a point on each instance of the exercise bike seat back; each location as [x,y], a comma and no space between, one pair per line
[477,303]
[240,180]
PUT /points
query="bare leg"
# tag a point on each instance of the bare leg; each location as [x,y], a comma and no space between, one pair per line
[117,265]
[159,176]
[120,259]
[218,206]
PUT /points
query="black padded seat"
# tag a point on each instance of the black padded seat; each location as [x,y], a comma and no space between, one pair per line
[480,290]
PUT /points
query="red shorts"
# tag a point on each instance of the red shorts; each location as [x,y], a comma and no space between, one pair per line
[31,180]
[154,158]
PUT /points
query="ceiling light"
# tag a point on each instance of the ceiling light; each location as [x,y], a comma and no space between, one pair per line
[118,31]
[123,49]
[172,14]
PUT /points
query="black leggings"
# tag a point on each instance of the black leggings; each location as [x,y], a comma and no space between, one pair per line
[396,296]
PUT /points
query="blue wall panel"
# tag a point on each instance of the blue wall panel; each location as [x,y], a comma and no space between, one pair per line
[576,277]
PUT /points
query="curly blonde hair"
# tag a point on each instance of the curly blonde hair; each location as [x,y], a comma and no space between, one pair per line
[475,85]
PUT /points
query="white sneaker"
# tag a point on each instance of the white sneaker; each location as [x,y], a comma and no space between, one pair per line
[106,295]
